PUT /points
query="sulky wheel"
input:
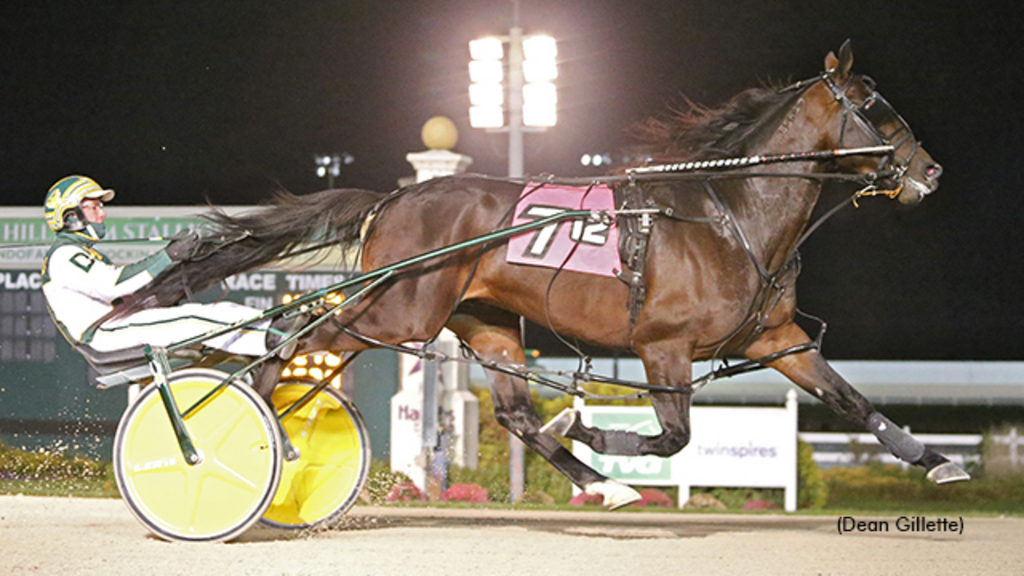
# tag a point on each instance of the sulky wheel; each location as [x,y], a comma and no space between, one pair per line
[334,461]
[239,468]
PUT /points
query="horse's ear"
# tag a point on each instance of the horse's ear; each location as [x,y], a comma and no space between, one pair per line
[831,62]
[841,65]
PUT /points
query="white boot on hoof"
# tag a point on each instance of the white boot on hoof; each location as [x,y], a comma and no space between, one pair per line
[616,495]
[947,472]
[560,425]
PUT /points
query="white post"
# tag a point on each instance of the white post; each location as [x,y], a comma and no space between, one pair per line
[407,454]
[684,495]
[794,414]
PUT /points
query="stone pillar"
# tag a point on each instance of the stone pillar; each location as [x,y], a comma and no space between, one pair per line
[436,163]
[407,422]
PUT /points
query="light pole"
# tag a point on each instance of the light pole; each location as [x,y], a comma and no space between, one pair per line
[532,97]
[532,107]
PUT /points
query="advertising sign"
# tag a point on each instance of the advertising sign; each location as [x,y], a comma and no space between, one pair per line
[729,447]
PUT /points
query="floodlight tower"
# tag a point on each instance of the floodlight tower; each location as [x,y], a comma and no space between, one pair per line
[532,96]
[532,107]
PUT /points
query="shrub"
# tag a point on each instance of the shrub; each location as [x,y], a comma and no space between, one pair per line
[654,497]
[702,500]
[880,487]
[380,482]
[760,504]
[812,490]
[466,493]
[491,476]
[584,499]
[874,481]
[405,492]
[736,498]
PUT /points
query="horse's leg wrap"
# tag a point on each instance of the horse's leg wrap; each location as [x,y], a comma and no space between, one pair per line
[899,442]
[621,443]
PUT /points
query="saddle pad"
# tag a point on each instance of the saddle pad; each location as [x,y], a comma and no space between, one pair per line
[589,247]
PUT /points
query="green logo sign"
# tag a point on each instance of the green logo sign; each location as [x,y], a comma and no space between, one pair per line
[636,469]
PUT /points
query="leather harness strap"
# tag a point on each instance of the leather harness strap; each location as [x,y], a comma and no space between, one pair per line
[634,236]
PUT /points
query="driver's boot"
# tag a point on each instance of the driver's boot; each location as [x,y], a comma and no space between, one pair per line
[281,330]
[266,377]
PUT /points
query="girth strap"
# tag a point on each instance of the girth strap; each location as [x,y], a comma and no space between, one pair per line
[634,235]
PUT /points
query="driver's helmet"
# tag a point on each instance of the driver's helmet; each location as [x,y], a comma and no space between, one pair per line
[64,197]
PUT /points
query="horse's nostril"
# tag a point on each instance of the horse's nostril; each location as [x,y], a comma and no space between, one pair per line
[933,171]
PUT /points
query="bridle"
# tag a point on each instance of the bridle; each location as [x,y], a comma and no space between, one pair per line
[872,116]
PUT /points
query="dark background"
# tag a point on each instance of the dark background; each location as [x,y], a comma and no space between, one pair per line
[177,102]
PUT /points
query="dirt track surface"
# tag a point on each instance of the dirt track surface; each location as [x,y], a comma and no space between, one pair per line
[92,536]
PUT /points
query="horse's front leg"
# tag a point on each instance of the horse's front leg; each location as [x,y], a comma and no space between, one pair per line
[667,364]
[810,371]
[497,340]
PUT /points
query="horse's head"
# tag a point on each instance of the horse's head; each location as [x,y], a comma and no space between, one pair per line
[867,119]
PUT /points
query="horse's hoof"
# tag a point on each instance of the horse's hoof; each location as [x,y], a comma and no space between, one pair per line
[947,472]
[561,424]
[616,495]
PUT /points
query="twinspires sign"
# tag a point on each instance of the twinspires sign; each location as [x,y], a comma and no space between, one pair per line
[729,447]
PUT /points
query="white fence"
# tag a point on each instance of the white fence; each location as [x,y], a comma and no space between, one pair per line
[852,449]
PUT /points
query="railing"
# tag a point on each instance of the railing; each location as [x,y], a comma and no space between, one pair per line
[853,449]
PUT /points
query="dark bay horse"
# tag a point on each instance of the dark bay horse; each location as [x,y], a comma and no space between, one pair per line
[721,287]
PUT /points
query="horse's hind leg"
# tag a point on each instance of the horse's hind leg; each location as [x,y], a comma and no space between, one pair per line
[810,371]
[494,335]
[667,364]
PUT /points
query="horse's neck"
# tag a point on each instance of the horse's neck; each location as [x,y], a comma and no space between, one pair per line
[776,210]
[773,214]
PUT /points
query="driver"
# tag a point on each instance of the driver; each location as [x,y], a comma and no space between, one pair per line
[82,285]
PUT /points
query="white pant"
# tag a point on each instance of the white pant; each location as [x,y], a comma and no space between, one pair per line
[166,326]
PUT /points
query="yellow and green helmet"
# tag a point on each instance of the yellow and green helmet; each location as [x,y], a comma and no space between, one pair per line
[67,194]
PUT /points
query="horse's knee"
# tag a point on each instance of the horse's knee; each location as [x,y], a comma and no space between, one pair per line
[668,443]
[518,421]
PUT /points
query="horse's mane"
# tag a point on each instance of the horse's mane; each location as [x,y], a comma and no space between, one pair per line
[695,132]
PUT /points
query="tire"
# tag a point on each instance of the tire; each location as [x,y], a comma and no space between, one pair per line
[334,462]
[238,474]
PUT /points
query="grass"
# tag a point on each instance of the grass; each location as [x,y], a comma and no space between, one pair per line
[44,473]
[873,489]
[879,488]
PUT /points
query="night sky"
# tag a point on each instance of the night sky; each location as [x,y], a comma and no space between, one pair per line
[179,102]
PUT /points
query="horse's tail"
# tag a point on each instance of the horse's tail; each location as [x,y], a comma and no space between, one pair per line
[236,244]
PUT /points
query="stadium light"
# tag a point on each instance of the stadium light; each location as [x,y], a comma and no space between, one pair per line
[532,98]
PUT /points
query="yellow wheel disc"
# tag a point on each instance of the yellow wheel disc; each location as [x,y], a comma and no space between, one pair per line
[232,485]
[334,459]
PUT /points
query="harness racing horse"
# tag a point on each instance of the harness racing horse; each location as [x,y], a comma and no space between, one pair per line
[719,270]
